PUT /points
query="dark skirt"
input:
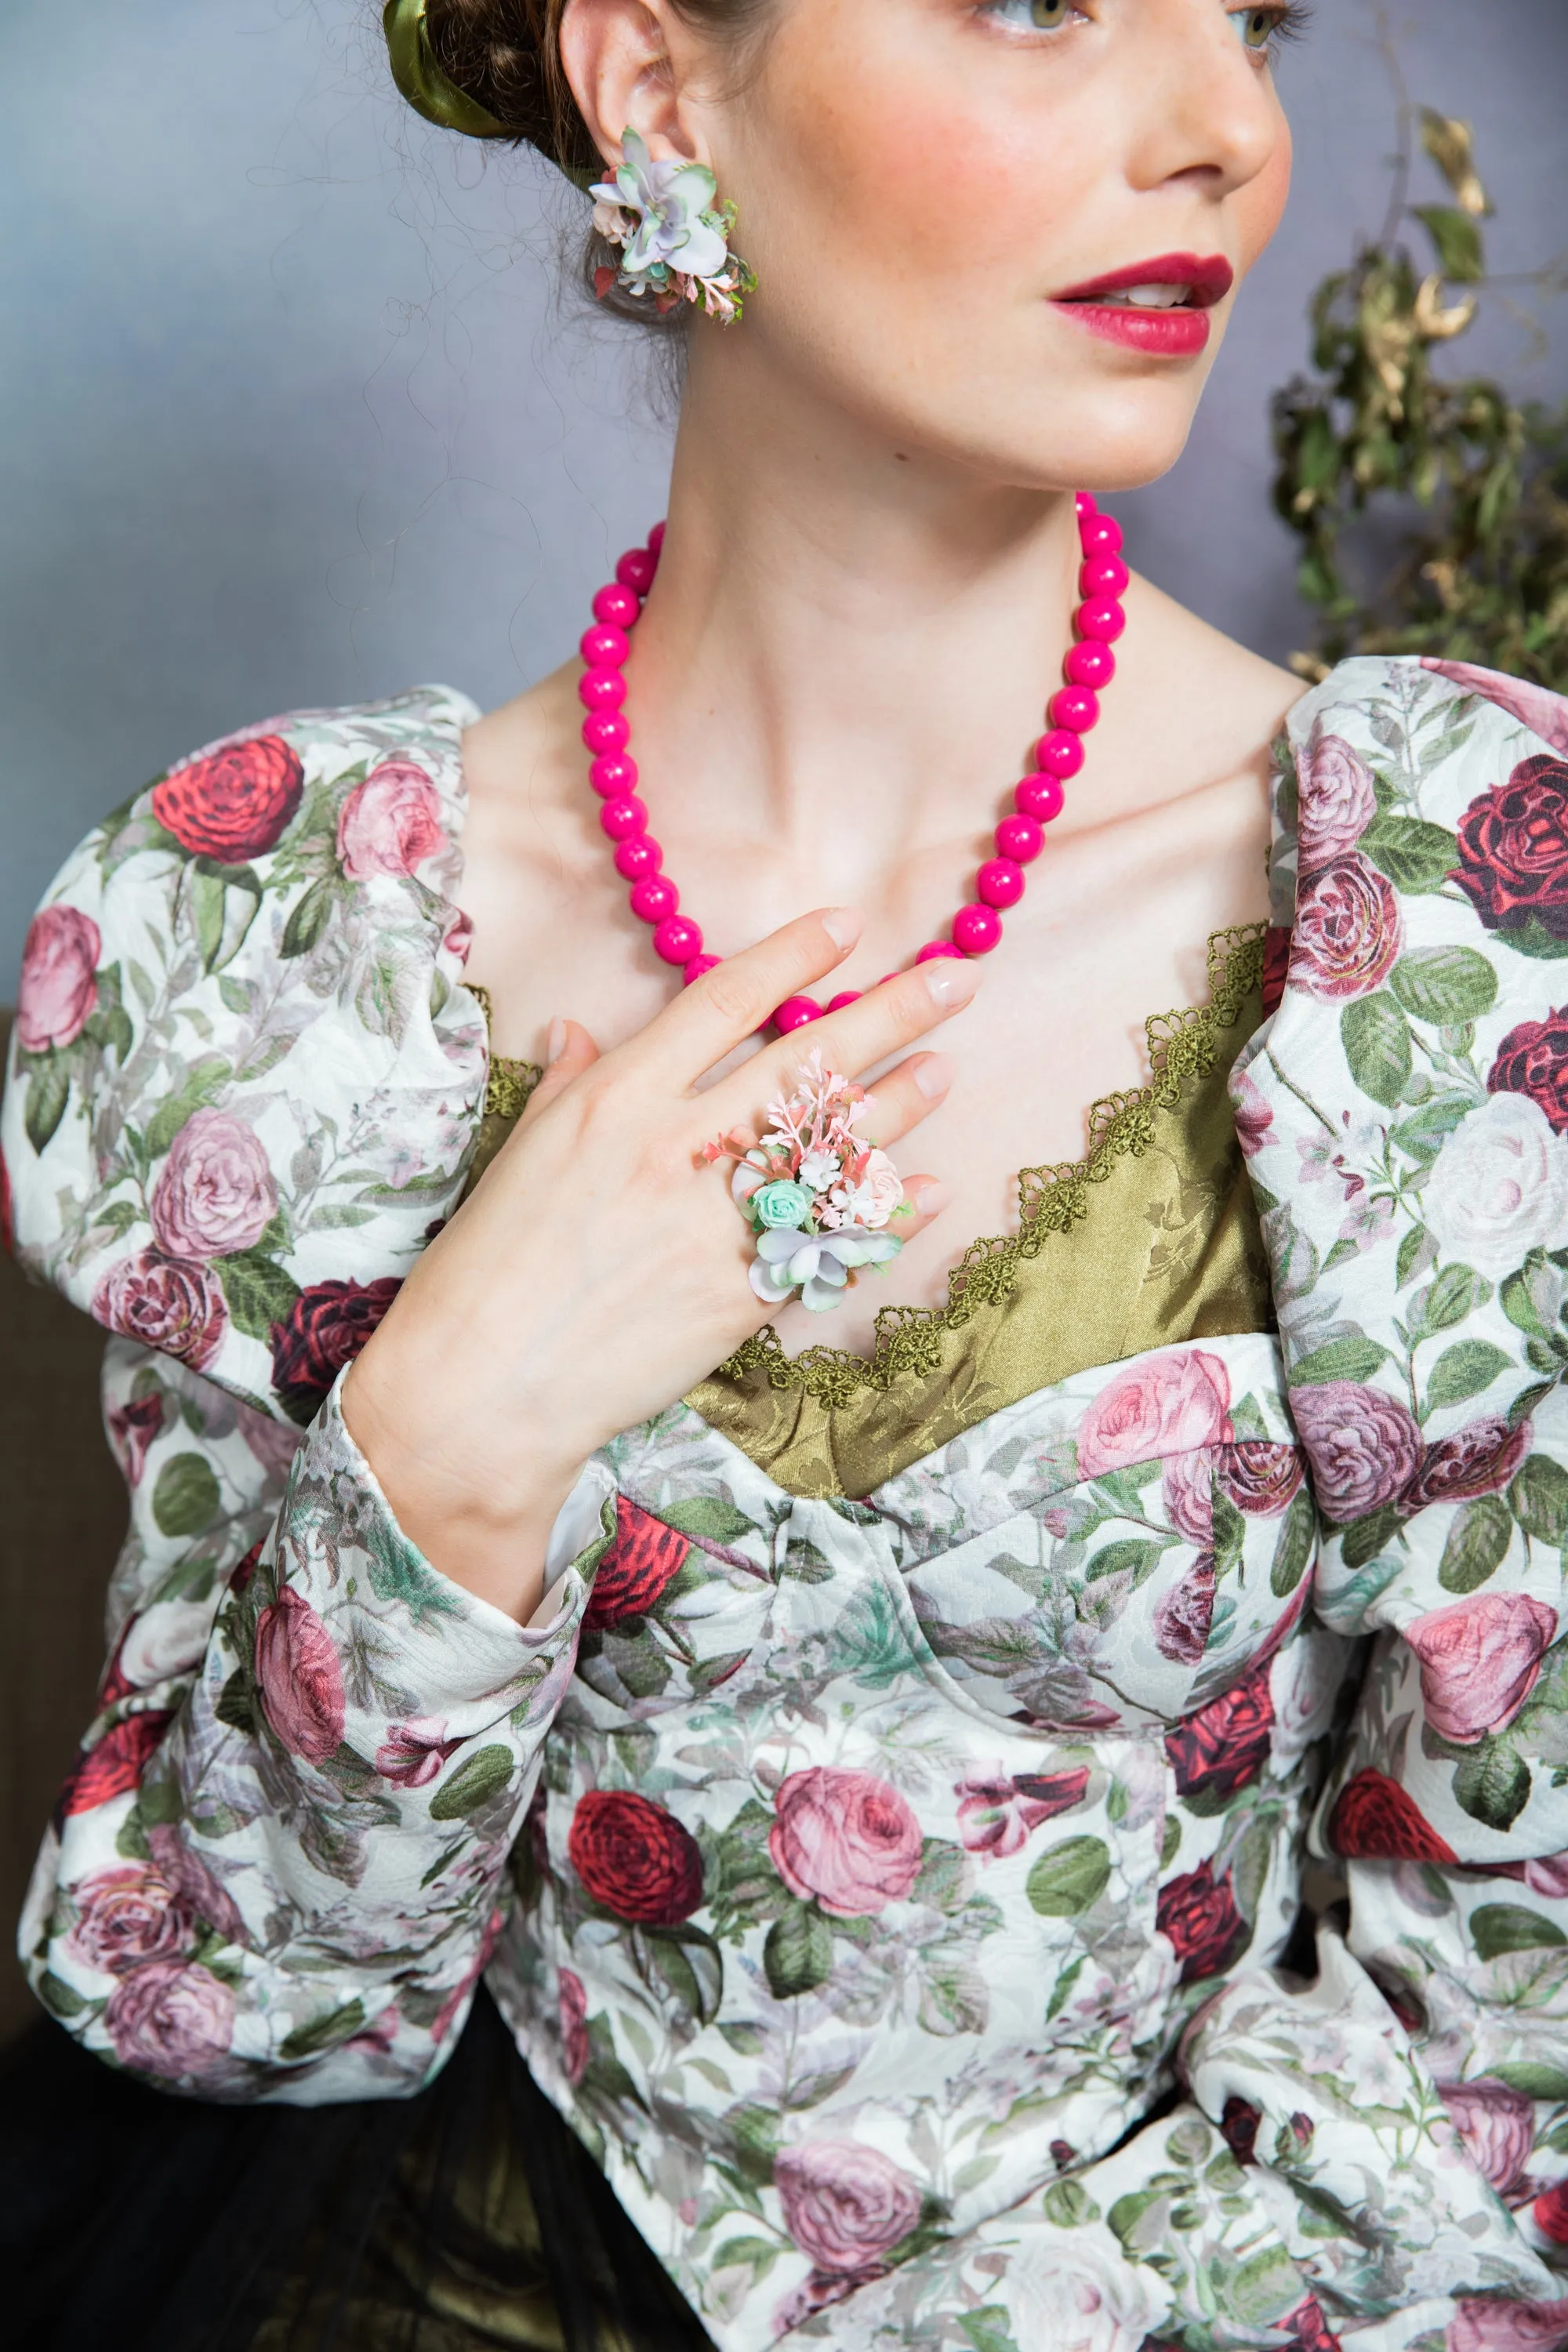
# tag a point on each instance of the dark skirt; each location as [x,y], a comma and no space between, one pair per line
[465,2218]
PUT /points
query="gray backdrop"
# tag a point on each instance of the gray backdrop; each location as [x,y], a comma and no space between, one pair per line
[294,412]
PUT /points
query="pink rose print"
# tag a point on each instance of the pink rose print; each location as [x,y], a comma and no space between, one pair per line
[1535,706]
[1259,1474]
[198,1888]
[847,1838]
[1187,1486]
[391,823]
[1498,2126]
[214,1192]
[129,1915]
[459,938]
[1183,1615]
[132,1430]
[1480,1460]
[573,2008]
[1482,2323]
[1252,1112]
[996,1810]
[1363,1445]
[1166,1404]
[58,986]
[171,2019]
[845,2205]
[1480,1661]
[1348,933]
[302,1681]
[169,1303]
[415,1751]
[1337,802]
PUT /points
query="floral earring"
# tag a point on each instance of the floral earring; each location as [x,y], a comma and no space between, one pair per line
[674,239]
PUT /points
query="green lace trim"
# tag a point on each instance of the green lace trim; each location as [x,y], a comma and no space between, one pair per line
[510,1083]
[1051,1200]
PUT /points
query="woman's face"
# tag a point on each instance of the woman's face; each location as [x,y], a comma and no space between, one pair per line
[931,191]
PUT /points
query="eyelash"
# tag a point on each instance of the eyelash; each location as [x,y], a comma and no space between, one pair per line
[1290,17]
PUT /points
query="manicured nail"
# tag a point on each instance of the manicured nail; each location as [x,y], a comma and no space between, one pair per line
[843,924]
[934,1076]
[932,1195]
[555,1044]
[949,980]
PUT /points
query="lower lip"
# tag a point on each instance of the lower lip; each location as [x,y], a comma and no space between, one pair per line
[1178,334]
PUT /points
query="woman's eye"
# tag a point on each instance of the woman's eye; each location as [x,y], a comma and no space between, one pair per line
[1256,27]
[1034,16]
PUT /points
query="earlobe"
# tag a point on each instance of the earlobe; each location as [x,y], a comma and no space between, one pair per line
[622,61]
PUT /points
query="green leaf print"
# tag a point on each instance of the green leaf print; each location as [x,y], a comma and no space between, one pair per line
[1365,1538]
[1533,1298]
[1444,985]
[1354,1358]
[798,1954]
[49,1091]
[1133,1556]
[258,1291]
[709,1516]
[1294,1547]
[323,2032]
[1509,1928]
[476,1780]
[185,1498]
[1376,1039]
[1455,1293]
[1478,1543]
[307,919]
[988,2329]
[1069,1877]
[1532,939]
[1070,2205]
[205,1081]
[1539,1499]
[1422,1136]
[1417,857]
[1530,2076]
[1464,1370]
[1492,1785]
[954,1998]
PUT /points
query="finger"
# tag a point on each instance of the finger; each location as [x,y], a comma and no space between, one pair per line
[571,1051]
[869,1031]
[731,1003]
[925,1198]
[902,1099]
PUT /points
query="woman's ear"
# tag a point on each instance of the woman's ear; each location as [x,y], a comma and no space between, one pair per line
[627,64]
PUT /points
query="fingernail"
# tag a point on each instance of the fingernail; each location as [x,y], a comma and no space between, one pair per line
[949,980]
[934,1076]
[555,1044]
[932,1195]
[843,924]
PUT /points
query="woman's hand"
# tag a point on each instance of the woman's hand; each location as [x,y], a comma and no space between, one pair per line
[599,1269]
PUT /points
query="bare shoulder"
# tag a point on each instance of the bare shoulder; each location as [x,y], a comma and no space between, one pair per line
[1232,703]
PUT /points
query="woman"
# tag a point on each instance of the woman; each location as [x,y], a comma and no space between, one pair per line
[870,1777]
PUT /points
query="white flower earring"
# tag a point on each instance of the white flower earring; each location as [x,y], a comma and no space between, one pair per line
[674,239]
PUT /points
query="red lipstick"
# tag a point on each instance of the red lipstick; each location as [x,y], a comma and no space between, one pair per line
[1175,328]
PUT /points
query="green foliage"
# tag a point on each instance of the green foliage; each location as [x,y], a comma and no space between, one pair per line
[1376,429]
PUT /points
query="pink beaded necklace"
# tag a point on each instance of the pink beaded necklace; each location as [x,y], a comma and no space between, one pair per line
[977,927]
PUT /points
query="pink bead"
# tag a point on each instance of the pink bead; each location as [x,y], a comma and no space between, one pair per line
[623,817]
[1101,617]
[1020,837]
[1039,797]
[653,898]
[845,996]
[613,774]
[636,570]
[606,730]
[655,543]
[1103,575]
[934,947]
[796,1012]
[976,928]
[697,966]
[1059,753]
[604,648]
[616,606]
[1073,707]
[1100,536]
[1085,505]
[601,690]
[678,939]
[1089,664]
[999,882]
[638,857]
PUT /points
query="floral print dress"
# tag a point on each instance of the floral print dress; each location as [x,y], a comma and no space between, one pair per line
[892,1893]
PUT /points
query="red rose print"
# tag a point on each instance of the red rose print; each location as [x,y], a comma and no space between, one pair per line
[571,2004]
[301,1679]
[1549,2212]
[1197,1915]
[1238,2124]
[414,1752]
[1276,966]
[58,986]
[635,1858]
[1224,1745]
[1513,850]
[1374,1821]
[847,1838]
[235,803]
[1480,1460]
[1348,932]
[643,1558]
[1259,1474]
[1183,1615]
[1533,1060]
[327,1327]
[996,1810]
[115,1763]
[132,1430]
[169,1303]
[1308,2329]
[1479,1660]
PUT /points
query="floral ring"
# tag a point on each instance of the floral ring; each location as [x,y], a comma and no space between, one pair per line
[816,1197]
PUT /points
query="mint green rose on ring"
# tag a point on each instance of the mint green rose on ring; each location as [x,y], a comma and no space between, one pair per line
[781,1203]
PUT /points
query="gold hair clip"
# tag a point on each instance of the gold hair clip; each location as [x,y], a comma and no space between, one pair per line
[428,90]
